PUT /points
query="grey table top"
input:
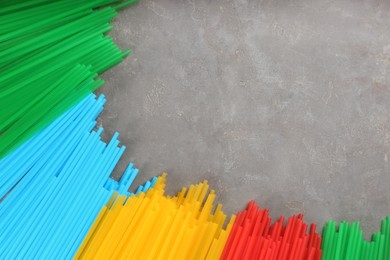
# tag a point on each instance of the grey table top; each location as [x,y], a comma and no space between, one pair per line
[284,102]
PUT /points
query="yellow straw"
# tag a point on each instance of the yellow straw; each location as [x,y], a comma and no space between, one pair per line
[152,225]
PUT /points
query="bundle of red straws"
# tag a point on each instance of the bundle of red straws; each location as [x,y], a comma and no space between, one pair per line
[253,237]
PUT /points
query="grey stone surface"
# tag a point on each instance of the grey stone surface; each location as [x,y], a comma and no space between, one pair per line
[284,102]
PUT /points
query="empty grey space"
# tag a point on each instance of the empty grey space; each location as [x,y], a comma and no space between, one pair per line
[283,102]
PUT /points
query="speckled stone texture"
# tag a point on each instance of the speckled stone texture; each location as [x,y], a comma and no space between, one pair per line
[284,102]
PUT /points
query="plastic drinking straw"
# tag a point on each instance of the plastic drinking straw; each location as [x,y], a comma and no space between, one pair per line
[353,246]
[78,242]
[56,58]
[52,214]
[54,134]
[99,17]
[10,6]
[50,19]
[30,117]
[64,233]
[81,41]
[41,195]
[127,227]
[40,97]
[41,41]
[32,12]
[24,161]
[252,237]
[25,191]
[72,201]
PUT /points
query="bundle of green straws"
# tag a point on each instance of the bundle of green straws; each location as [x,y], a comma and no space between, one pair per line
[50,56]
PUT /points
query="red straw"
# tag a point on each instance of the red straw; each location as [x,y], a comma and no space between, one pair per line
[253,237]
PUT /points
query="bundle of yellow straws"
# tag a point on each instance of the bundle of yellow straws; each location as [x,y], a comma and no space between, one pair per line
[154,226]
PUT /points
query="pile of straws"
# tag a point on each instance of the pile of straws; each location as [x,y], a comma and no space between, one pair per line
[348,243]
[153,225]
[50,55]
[253,237]
[57,200]
[56,183]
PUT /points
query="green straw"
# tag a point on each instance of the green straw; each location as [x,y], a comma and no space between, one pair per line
[50,55]
[348,243]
